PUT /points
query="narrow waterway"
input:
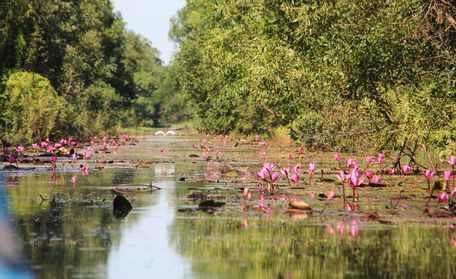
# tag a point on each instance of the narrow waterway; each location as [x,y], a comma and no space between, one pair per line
[68,228]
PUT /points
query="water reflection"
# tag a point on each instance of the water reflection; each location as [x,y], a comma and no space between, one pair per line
[259,248]
[144,250]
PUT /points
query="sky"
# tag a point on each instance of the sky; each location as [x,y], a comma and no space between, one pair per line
[151,19]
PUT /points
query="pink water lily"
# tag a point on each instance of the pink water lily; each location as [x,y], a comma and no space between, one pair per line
[354,180]
[351,163]
[331,229]
[35,145]
[391,171]
[300,150]
[341,176]
[84,170]
[50,149]
[263,173]
[275,176]
[331,195]
[377,179]
[428,174]
[452,160]
[285,171]
[380,158]
[336,157]
[369,159]
[406,169]
[354,230]
[294,177]
[442,197]
[369,175]
[297,168]
[20,149]
[453,191]
[268,166]
[447,175]
[311,166]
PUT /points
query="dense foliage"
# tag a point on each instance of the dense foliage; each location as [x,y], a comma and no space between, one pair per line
[72,68]
[339,74]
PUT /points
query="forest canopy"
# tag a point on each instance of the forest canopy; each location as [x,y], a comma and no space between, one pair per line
[339,74]
[71,68]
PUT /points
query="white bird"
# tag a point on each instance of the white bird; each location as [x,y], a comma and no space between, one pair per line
[163,133]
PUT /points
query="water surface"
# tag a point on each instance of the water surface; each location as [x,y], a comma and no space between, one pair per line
[68,230]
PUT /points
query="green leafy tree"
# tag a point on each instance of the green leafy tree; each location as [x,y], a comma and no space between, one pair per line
[32,107]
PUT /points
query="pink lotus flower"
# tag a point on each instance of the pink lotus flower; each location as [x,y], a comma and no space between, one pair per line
[263,173]
[377,179]
[331,195]
[35,145]
[447,175]
[336,157]
[350,207]
[300,150]
[20,149]
[380,158]
[453,191]
[311,166]
[294,177]
[12,159]
[275,176]
[268,166]
[428,174]
[262,143]
[289,156]
[354,178]
[351,163]
[391,171]
[285,171]
[50,149]
[369,159]
[87,153]
[297,168]
[84,170]
[354,229]
[442,197]
[340,228]
[341,176]
[369,175]
[53,159]
[452,160]
[406,169]
[330,229]
[453,242]
[73,156]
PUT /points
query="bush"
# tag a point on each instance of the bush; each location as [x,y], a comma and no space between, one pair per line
[31,108]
